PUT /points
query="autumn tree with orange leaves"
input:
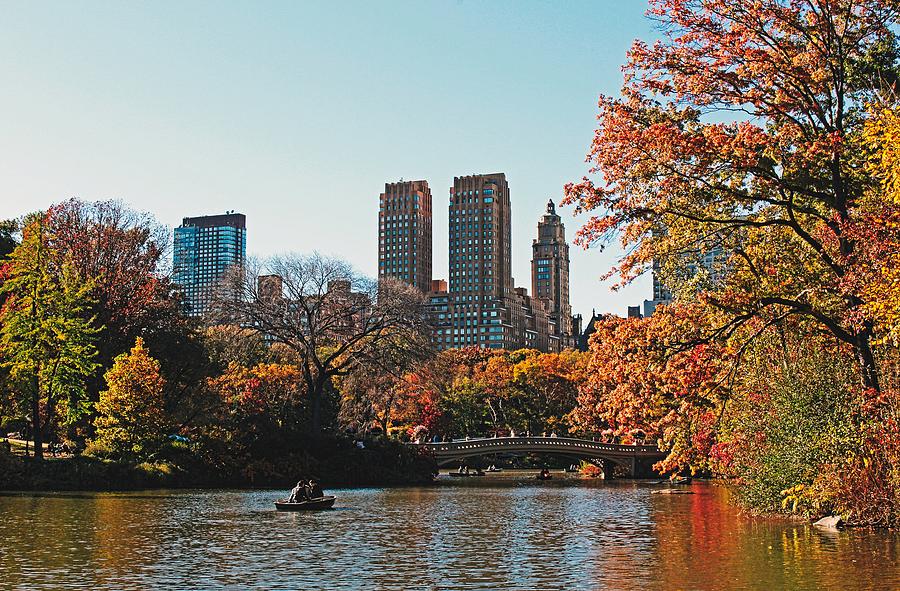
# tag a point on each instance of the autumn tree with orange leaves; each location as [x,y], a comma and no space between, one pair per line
[641,383]
[751,160]
[131,420]
[737,131]
[478,392]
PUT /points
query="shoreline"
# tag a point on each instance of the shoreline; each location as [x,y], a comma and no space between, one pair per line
[332,463]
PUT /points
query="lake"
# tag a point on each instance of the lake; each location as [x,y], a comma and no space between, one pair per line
[478,533]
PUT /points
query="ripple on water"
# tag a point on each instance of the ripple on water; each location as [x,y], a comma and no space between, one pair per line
[485,535]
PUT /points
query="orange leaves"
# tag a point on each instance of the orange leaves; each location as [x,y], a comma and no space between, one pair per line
[131,418]
[265,387]
[478,391]
[656,375]
[737,139]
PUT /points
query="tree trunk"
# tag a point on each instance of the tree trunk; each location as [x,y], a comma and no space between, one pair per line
[315,404]
[36,425]
[868,365]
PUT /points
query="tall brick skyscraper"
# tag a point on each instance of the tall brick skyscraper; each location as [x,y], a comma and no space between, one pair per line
[404,233]
[550,273]
[481,283]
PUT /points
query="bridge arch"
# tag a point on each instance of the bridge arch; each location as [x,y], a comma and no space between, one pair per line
[637,459]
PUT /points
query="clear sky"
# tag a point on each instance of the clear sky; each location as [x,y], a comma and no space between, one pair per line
[296,114]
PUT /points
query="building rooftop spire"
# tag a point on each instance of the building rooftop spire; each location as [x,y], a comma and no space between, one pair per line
[551,208]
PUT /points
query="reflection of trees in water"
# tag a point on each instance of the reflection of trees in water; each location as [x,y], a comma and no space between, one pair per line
[522,535]
[126,539]
[617,531]
[704,542]
[418,537]
[46,539]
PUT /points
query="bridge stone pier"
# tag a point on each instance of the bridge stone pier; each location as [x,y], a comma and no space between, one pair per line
[637,460]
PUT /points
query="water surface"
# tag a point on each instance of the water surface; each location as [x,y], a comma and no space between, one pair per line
[496,533]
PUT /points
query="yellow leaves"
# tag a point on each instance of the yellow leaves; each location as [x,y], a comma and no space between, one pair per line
[881,133]
[793,496]
[131,419]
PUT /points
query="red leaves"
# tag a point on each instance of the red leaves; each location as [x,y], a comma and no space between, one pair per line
[119,250]
[737,137]
[264,389]
[656,375]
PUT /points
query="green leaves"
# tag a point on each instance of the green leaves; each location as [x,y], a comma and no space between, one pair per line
[47,336]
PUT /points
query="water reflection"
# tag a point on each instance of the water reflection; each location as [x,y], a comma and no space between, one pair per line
[490,534]
[709,546]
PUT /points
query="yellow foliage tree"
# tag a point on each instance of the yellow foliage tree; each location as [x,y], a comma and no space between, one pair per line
[881,134]
[131,419]
[878,272]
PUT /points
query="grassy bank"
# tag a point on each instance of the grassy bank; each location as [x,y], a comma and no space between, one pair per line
[334,462]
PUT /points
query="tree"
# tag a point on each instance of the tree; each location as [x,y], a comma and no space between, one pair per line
[229,344]
[477,391]
[467,403]
[642,383]
[267,395]
[881,135]
[372,387]
[131,419]
[550,382]
[46,335]
[120,251]
[328,315]
[260,416]
[8,242]
[738,131]
[876,270]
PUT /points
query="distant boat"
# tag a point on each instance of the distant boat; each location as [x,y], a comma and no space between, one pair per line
[678,480]
[465,474]
[543,475]
[326,502]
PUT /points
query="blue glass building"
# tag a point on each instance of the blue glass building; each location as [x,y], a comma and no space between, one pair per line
[205,247]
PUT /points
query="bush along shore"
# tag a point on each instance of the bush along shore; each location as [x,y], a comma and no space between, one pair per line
[333,461]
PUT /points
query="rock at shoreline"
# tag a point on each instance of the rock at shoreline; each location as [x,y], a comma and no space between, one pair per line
[672,491]
[830,522]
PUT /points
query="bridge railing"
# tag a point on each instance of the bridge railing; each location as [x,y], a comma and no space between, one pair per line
[488,444]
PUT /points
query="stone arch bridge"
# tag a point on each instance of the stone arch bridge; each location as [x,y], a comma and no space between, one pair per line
[637,460]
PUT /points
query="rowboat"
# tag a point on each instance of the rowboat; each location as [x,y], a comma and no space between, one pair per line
[326,502]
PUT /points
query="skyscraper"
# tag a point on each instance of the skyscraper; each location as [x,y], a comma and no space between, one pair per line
[550,274]
[205,247]
[661,295]
[481,283]
[404,233]
[711,262]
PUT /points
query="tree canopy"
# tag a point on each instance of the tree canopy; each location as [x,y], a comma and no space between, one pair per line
[737,132]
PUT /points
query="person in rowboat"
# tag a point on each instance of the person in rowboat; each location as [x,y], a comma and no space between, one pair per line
[298,494]
[315,491]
